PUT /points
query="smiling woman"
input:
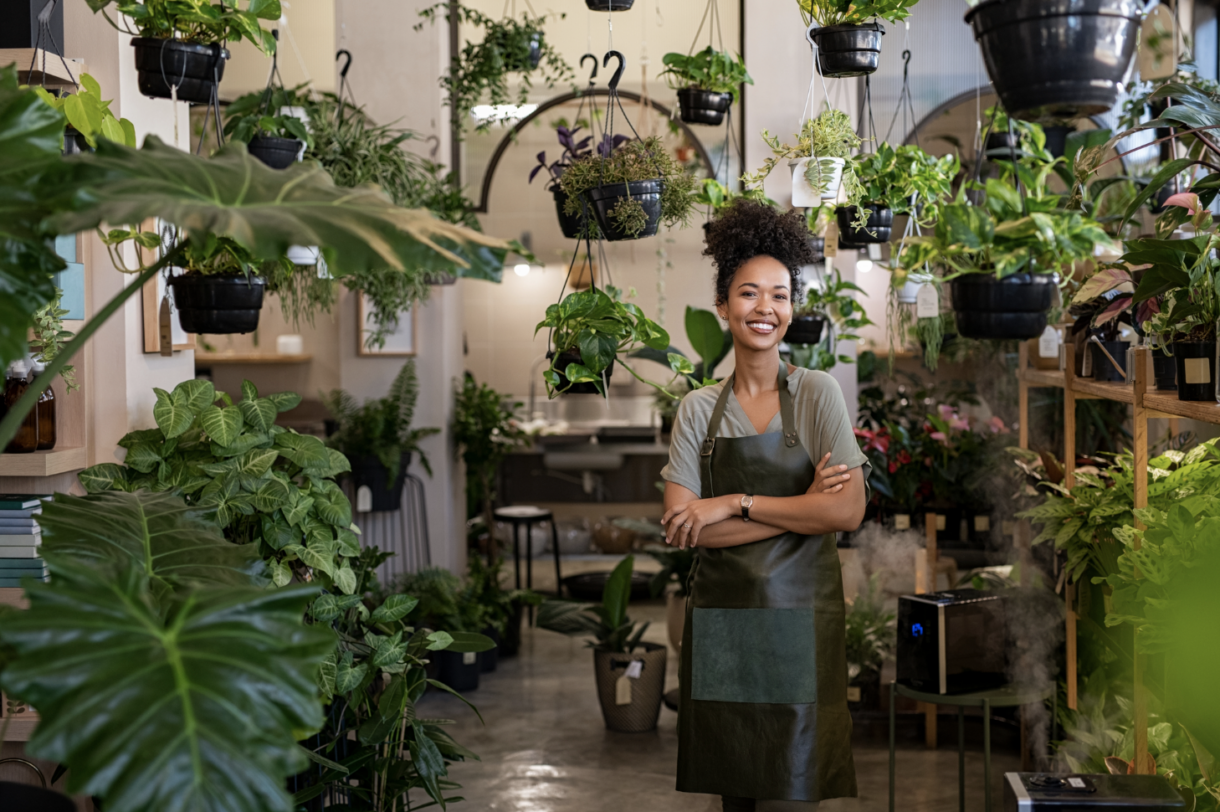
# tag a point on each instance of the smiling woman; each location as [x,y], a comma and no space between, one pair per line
[743,489]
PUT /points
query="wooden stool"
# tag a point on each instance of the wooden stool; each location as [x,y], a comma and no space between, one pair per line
[528,516]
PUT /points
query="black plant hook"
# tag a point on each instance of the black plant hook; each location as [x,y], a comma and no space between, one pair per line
[343,88]
[592,75]
[618,72]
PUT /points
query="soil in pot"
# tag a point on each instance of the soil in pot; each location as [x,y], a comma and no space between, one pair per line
[641,713]
[848,50]
[195,69]
[609,5]
[1195,362]
[697,106]
[459,670]
[877,230]
[604,199]
[217,305]
[277,153]
[1056,60]
[368,472]
[1103,368]
[572,225]
[805,328]
[573,357]
[1164,371]
[488,660]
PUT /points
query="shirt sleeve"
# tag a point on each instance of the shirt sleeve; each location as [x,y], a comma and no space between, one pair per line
[684,445]
[834,430]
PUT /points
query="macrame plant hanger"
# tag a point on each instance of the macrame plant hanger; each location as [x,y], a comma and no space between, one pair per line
[45,32]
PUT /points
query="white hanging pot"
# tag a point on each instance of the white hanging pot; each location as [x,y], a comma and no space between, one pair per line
[909,293]
[304,254]
[828,174]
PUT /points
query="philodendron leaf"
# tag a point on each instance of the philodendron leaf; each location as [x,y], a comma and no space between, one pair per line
[222,425]
[172,413]
[266,210]
[194,709]
[155,534]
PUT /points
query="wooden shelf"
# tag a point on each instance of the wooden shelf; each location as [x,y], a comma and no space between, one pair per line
[44,463]
[203,359]
[1103,390]
[55,74]
[1042,377]
[1168,405]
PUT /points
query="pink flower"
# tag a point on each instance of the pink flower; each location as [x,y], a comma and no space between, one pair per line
[1187,200]
[997,426]
[959,423]
[939,436]
[945,411]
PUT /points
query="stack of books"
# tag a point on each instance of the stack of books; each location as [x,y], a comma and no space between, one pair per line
[20,538]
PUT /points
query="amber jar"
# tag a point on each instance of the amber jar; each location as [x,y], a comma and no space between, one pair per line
[46,413]
[26,439]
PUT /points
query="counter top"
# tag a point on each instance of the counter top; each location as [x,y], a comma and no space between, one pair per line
[627,449]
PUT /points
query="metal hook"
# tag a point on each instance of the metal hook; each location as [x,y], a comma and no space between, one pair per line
[435,141]
[346,65]
[592,75]
[618,72]
[906,63]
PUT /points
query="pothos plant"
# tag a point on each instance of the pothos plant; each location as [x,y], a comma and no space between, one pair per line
[844,12]
[196,20]
[50,337]
[481,71]
[709,69]
[89,114]
[266,113]
[905,179]
[830,296]
[600,327]
[827,137]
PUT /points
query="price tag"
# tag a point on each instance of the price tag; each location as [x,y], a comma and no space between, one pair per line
[1048,343]
[831,249]
[902,521]
[940,521]
[927,303]
[469,658]
[1198,370]
[1158,53]
[364,499]
[622,690]
[165,328]
[1086,363]
[853,693]
[982,524]
[635,669]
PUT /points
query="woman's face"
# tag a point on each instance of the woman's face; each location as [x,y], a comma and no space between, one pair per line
[759,307]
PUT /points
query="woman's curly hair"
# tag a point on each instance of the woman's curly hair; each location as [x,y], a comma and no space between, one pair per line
[749,228]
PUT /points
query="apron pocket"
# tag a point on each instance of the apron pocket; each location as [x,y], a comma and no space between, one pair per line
[753,655]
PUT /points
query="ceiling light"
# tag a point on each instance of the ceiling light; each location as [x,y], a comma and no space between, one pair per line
[521,270]
[864,265]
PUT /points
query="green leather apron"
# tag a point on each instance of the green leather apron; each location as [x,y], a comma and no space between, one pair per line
[763,710]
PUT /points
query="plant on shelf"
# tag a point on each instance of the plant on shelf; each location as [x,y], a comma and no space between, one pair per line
[590,329]
[484,432]
[480,72]
[819,158]
[871,639]
[629,162]
[50,336]
[499,605]
[195,21]
[904,179]
[142,576]
[1181,280]
[89,114]
[822,13]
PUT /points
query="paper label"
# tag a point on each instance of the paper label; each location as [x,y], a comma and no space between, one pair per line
[635,669]
[1086,363]
[1197,370]
[874,251]
[469,658]
[927,303]
[831,248]
[165,328]
[982,524]
[622,690]
[853,693]
[1158,53]
[1074,782]
[902,521]
[364,499]
[1048,343]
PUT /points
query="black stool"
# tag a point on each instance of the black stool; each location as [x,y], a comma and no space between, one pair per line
[529,516]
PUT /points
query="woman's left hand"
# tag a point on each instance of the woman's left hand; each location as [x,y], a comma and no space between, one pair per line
[683,522]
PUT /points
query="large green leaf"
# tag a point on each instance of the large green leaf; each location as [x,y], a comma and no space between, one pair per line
[266,210]
[706,336]
[195,709]
[153,533]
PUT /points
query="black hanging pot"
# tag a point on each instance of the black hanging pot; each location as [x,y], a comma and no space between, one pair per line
[1103,368]
[74,142]
[609,5]
[880,223]
[459,670]
[277,153]
[806,328]
[1164,371]
[533,56]
[573,357]
[1056,138]
[1196,369]
[697,106]
[603,199]
[1010,308]
[1056,59]
[1002,145]
[368,472]
[818,246]
[847,50]
[16,797]
[216,305]
[195,69]
[572,225]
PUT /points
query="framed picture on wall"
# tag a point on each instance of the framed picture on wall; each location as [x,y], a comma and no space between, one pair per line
[400,341]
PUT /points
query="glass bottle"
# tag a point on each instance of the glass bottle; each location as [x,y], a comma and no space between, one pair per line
[46,412]
[26,439]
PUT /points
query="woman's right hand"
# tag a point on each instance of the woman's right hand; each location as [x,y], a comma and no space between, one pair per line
[828,480]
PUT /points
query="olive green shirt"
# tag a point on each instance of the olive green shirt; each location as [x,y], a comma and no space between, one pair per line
[822,424]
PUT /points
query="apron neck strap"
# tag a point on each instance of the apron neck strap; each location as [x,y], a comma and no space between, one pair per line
[785,410]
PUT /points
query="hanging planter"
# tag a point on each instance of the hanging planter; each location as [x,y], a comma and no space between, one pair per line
[1056,59]
[805,328]
[627,211]
[216,305]
[877,230]
[573,357]
[369,472]
[827,178]
[818,246]
[277,153]
[847,50]
[703,106]
[707,83]
[572,225]
[609,5]
[195,69]
[1010,308]
[1195,363]
[1002,145]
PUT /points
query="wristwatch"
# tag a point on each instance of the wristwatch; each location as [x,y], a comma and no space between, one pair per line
[747,502]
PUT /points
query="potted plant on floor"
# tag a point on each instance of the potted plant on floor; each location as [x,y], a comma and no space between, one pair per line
[88,117]
[572,225]
[848,44]
[179,51]
[269,124]
[676,566]
[818,160]
[632,188]
[480,71]
[871,638]
[630,673]
[895,180]
[378,439]
[708,82]
[446,605]
[502,608]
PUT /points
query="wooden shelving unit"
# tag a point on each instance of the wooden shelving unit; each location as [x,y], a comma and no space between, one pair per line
[205,359]
[59,460]
[55,75]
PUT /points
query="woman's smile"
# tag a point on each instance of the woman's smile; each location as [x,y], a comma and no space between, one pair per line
[765,328]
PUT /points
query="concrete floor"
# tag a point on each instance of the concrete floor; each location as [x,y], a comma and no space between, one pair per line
[544,747]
